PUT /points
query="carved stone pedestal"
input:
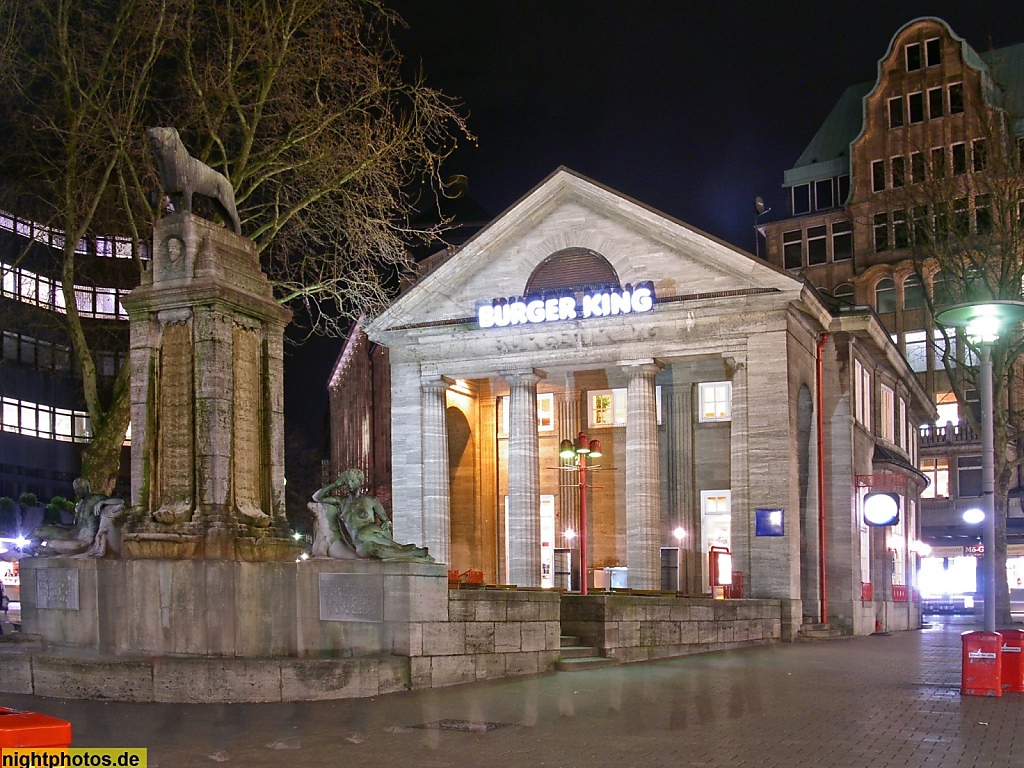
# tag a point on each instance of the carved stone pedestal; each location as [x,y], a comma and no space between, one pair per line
[207,401]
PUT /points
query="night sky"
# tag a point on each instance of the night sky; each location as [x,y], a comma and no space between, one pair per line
[692,108]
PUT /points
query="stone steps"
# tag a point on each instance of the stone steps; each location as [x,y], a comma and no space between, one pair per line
[811,632]
[576,657]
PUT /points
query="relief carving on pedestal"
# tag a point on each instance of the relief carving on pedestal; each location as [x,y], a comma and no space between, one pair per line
[174,440]
[247,473]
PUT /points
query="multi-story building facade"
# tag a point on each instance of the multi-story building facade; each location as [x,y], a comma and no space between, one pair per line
[44,424]
[856,207]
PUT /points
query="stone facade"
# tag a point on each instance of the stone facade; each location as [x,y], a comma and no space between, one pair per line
[207,400]
[704,402]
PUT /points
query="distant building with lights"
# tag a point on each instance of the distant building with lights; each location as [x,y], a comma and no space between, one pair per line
[701,370]
[849,230]
[44,425]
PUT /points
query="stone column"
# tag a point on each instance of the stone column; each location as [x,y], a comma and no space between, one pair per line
[436,490]
[643,502]
[568,404]
[677,415]
[739,480]
[523,480]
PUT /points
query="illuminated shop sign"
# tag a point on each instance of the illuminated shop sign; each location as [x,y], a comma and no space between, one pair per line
[598,303]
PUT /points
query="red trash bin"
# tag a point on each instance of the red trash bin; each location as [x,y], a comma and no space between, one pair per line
[31,730]
[982,664]
[1013,660]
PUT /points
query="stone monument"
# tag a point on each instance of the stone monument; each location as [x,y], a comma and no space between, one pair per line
[209,586]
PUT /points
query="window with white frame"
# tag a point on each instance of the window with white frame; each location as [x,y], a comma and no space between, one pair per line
[545,413]
[887,413]
[933,51]
[878,175]
[715,400]
[862,385]
[912,51]
[915,107]
[45,421]
[901,423]
[607,407]
[715,523]
[937,472]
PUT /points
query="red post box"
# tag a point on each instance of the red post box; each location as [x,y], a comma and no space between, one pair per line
[1013,660]
[982,664]
[31,730]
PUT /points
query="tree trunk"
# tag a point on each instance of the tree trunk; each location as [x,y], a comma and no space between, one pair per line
[101,460]
[1003,618]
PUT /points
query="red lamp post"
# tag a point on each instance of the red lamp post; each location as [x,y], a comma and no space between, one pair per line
[578,452]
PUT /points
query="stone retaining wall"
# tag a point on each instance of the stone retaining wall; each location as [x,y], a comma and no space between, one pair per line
[641,627]
[489,634]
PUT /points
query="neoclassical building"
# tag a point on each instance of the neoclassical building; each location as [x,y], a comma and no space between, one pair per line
[701,370]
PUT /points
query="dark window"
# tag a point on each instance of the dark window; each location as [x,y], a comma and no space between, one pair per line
[961,216]
[896,112]
[920,213]
[939,162]
[843,183]
[842,241]
[885,296]
[793,249]
[881,226]
[900,229]
[878,176]
[956,98]
[959,158]
[823,194]
[817,248]
[916,167]
[916,103]
[801,199]
[844,292]
[899,172]
[942,221]
[933,51]
[913,52]
[913,293]
[935,103]
[983,214]
[940,291]
[979,151]
[969,476]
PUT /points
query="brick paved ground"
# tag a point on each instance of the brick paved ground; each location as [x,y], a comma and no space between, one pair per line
[870,701]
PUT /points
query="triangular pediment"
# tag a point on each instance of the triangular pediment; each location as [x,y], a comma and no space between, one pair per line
[569,212]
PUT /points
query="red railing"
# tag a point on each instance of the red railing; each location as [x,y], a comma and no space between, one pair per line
[866,591]
[899,593]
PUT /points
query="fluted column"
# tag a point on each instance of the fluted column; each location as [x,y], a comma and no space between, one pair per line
[643,502]
[436,489]
[568,404]
[677,415]
[740,479]
[524,566]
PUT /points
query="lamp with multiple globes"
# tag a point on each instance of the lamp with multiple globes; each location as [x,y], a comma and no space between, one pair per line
[579,451]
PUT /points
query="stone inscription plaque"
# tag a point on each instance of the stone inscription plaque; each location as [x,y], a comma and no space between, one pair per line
[351,597]
[57,588]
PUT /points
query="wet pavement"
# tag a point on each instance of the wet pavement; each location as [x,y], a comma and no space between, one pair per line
[887,700]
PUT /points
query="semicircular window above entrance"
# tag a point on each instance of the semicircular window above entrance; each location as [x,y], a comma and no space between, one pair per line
[571,269]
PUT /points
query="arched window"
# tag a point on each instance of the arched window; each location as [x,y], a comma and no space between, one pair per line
[571,268]
[844,291]
[885,296]
[940,290]
[913,293]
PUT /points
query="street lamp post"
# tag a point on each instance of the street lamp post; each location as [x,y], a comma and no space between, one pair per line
[983,322]
[578,452]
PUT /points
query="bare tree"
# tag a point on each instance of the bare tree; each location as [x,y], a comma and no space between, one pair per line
[963,226]
[302,105]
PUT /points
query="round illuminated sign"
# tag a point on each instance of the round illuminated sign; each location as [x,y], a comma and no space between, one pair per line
[881,509]
[973,516]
